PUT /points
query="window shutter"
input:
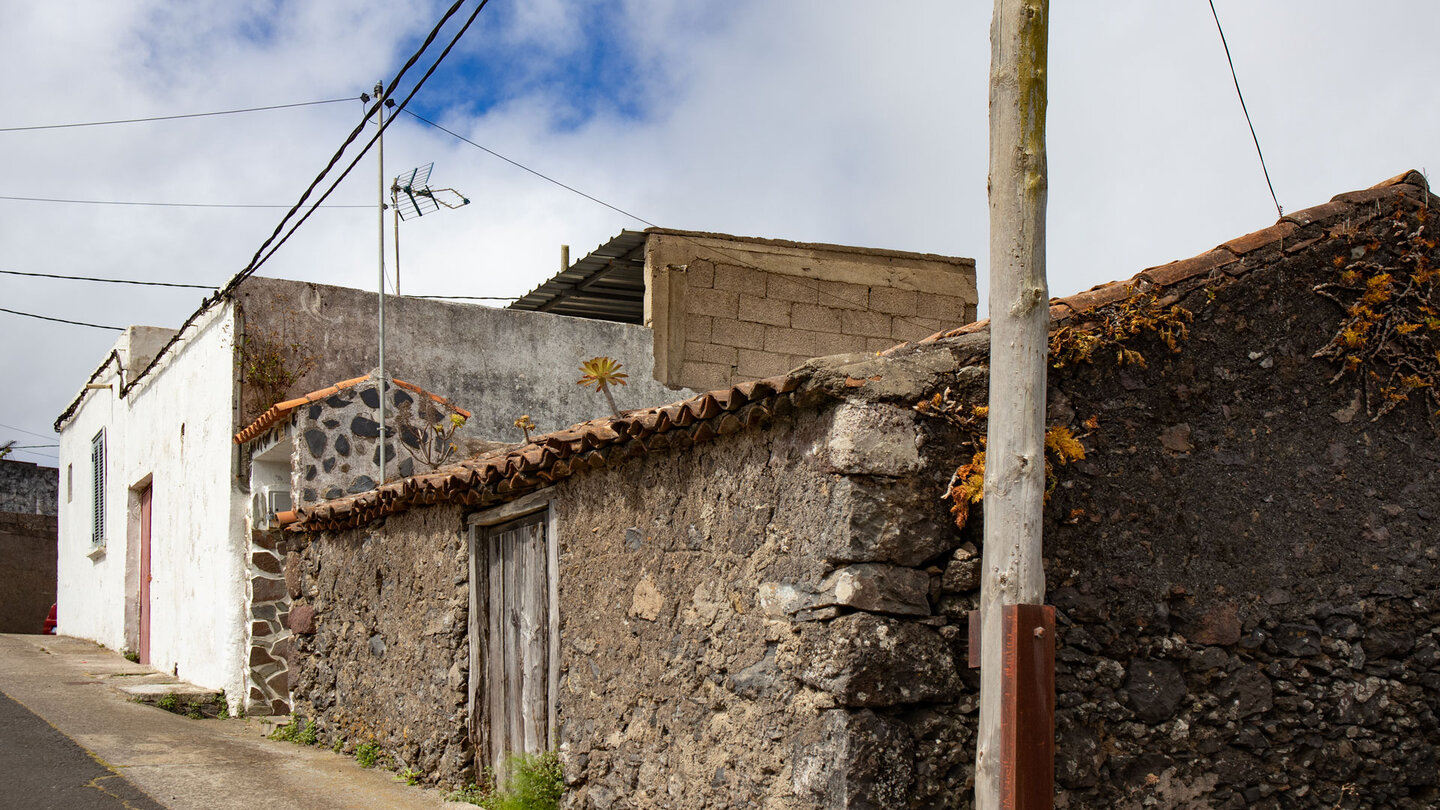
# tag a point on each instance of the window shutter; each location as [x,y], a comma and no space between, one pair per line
[97,496]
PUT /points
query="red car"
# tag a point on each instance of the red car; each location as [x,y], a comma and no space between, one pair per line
[50,622]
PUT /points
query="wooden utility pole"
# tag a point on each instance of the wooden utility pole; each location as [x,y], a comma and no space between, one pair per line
[1016,731]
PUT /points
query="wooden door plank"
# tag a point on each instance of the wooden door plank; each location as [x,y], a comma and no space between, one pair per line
[495,685]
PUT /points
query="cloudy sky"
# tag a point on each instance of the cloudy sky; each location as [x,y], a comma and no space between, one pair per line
[824,120]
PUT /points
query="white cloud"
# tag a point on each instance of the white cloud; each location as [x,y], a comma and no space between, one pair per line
[827,121]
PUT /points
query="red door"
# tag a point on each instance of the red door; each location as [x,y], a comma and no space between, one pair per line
[144,596]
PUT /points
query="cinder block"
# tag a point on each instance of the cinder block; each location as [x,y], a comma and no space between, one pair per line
[700,274]
[944,308]
[913,328]
[769,311]
[779,340]
[715,303]
[791,288]
[754,365]
[838,344]
[710,353]
[815,318]
[868,324]
[730,332]
[704,376]
[740,279]
[840,295]
[697,328]
[893,301]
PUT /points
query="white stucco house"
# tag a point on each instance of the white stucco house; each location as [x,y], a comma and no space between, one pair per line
[160,551]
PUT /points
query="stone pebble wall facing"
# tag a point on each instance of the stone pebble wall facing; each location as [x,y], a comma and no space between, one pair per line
[380,628]
[271,665]
[338,440]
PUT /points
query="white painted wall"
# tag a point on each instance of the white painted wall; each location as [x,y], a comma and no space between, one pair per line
[174,429]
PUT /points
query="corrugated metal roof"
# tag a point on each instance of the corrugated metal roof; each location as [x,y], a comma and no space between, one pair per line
[607,285]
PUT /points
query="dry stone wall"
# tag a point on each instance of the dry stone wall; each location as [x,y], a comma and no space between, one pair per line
[380,633]
[1244,569]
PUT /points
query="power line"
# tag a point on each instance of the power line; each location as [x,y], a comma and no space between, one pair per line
[174,117]
[637,218]
[544,177]
[23,430]
[162,204]
[30,446]
[1244,109]
[62,320]
[110,280]
[258,259]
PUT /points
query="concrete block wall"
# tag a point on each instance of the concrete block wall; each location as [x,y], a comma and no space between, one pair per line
[727,309]
[27,569]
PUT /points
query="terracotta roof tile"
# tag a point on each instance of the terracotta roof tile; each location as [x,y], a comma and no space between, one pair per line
[1264,237]
[275,412]
[500,474]
[279,410]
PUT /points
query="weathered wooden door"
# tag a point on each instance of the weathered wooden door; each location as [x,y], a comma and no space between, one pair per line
[143,598]
[516,643]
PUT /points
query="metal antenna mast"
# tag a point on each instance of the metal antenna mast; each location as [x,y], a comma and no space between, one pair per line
[380,153]
[411,197]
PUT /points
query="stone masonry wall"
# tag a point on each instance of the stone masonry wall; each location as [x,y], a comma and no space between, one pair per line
[1245,569]
[748,623]
[726,310]
[380,632]
[337,441]
[28,488]
[27,569]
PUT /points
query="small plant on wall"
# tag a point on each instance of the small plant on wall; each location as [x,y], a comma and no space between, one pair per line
[532,782]
[603,373]
[430,439]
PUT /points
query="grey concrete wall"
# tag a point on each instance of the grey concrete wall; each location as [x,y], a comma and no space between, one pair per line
[496,363]
[29,488]
[27,569]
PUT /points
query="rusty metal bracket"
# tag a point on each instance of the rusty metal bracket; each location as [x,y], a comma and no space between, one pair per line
[1027,704]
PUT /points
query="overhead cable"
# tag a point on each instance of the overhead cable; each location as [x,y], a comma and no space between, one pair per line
[163,204]
[110,280]
[1243,108]
[261,255]
[544,177]
[62,320]
[174,117]
[257,260]
[23,430]
[818,290]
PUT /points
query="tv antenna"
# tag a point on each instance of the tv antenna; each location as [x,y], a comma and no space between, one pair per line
[411,197]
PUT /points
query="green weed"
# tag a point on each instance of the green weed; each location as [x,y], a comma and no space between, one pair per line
[295,733]
[535,782]
[368,755]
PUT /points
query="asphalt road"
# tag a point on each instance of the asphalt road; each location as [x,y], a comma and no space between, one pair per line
[41,769]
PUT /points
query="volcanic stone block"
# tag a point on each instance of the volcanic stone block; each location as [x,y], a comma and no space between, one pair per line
[878,589]
[867,660]
[854,760]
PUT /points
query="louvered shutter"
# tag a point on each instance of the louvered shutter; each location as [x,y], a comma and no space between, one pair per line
[97,494]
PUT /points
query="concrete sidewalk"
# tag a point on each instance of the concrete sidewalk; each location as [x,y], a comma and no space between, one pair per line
[179,762]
